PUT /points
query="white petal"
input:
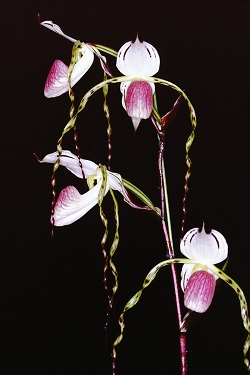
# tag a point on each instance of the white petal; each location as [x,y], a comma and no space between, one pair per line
[207,247]
[57,81]
[71,205]
[124,87]
[137,58]
[54,27]
[186,272]
[83,65]
[71,162]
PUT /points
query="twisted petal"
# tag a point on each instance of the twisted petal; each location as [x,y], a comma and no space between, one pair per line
[207,247]
[199,291]
[57,81]
[71,205]
[138,59]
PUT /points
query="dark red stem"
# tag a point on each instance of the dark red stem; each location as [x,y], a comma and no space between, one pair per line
[170,255]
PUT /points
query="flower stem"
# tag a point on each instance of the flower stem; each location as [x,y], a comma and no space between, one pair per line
[165,212]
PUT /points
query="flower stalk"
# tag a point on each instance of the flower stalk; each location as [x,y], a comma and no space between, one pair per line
[170,250]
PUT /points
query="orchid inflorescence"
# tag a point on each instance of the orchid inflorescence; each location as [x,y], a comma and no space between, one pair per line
[138,62]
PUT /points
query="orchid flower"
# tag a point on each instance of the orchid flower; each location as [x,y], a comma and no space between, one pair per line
[71,205]
[199,276]
[138,60]
[198,282]
[57,82]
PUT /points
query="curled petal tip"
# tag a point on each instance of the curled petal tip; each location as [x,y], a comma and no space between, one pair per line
[37,157]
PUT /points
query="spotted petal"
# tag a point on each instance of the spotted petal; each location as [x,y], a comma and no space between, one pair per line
[207,247]
[138,59]
[57,81]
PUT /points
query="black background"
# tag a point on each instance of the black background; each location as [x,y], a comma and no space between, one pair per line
[53,304]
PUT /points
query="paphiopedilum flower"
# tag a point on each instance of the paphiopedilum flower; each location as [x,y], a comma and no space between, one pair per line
[198,281]
[138,60]
[71,205]
[57,82]
[199,275]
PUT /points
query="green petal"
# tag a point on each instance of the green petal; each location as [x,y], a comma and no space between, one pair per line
[143,197]
[243,306]
[151,276]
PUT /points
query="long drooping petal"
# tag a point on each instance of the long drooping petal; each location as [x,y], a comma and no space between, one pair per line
[139,59]
[215,271]
[57,81]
